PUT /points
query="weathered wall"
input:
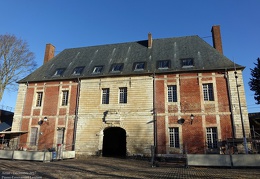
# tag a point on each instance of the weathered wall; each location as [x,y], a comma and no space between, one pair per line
[27,114]
[134,117]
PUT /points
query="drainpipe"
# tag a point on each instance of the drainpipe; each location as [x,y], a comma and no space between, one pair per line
[76,115]
[154,124]
[241,115]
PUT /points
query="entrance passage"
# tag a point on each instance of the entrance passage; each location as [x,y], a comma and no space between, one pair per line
[114,142]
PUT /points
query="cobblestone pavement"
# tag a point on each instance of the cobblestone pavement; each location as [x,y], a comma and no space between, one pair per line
[102,167]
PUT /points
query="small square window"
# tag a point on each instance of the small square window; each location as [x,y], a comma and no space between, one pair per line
[59,72]
[139,66]
[164,64]
[78,70]
[187,62]
[97,69]
[117,67]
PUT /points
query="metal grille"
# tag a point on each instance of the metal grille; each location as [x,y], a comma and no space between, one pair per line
[33,136]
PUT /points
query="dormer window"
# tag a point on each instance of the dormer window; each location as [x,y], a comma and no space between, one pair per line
[164,64]
[59,72]
[187,62]
[78,70]
[97,69]
[139,66]
[118,67]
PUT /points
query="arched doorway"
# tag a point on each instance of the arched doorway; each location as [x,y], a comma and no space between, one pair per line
[114,142]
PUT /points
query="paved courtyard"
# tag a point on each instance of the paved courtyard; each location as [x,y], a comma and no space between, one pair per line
[102,167]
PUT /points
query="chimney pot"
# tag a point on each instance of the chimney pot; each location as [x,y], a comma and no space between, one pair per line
[216,37]
[150,40]
[49,53]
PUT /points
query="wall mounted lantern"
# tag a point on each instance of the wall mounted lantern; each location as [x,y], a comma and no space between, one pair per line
[45,119]
[191,118]
[40,122]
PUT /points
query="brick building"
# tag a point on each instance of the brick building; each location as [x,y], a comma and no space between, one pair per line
[121,99]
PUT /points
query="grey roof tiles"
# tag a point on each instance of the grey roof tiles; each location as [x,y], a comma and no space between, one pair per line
[204,56]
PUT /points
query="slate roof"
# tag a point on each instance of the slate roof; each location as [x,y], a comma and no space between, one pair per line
[4,126]
[205,58]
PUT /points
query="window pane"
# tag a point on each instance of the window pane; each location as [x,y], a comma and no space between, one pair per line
[33,137]
[78,70]
[172,93]
[187,62]
[123,95]
[164,64]
[39,99]
[117,67]
[174,137]
[65,96]
[208,92]
[139,66]
[212,137]
[105,96]
[59,72]
[97,69]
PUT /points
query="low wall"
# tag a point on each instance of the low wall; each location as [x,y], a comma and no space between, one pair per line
[34,155]
[240,160]
[246,160]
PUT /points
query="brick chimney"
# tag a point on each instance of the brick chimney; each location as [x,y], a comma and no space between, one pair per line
[49,52]
[216,37]
[150,40]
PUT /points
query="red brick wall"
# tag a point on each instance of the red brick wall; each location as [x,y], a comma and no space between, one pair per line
[193,135]
[58,116]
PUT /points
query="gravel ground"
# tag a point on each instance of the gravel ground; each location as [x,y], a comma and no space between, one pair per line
[102,167]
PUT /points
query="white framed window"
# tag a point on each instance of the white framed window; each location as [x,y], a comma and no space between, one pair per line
[105,96]
[174,137]
[123,95]
[212,137]
[39,99]
[172,93]
[65,98]
[34,136]
[208,92]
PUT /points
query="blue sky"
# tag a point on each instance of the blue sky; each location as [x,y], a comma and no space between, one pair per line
[78,23]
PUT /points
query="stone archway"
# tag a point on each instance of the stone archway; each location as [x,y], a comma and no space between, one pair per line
[114,142]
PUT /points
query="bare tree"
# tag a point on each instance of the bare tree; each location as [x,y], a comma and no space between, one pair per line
[16,61]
